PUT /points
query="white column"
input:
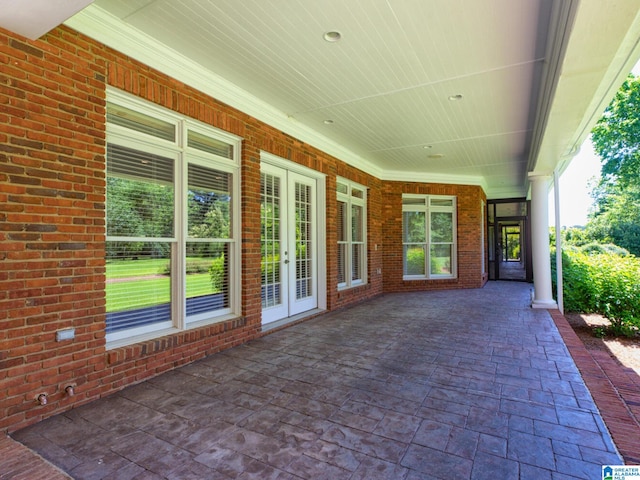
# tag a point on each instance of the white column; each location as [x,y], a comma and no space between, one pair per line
[543,296]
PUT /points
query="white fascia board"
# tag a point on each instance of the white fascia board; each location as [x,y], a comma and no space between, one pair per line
[109,30]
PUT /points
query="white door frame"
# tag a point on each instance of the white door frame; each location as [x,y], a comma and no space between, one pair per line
[320,271]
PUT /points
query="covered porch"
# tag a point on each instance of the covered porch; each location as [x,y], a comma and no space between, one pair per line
[441,384]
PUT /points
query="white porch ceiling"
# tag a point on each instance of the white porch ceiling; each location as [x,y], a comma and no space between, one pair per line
[34,18]
[534,75]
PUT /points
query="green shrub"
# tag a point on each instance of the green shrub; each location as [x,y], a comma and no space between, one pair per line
[195,265]
[600,248]
[619,297]
[580,292]
[218,273]
[415,261]
[604,283]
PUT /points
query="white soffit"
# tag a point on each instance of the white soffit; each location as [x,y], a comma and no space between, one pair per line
[34,18]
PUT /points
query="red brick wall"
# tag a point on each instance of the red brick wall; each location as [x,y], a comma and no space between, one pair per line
[52,180]
[52,224]
[469,202]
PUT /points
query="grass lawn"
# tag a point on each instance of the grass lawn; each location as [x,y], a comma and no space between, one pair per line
[136,268]
[139,293]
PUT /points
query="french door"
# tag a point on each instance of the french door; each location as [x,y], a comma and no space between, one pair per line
[289,247]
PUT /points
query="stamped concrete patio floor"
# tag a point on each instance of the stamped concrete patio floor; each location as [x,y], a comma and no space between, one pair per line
[466,384]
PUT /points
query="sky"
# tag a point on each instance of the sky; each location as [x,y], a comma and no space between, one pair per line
[575,199]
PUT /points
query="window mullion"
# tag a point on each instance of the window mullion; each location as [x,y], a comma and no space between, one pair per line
[178,280]
[427,246]
[349,249]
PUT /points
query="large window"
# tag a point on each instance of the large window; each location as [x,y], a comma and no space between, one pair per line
[352,234]
[172,221]
[429,236]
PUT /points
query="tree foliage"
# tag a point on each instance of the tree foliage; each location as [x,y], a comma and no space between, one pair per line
[616,139]
[616,136]
[138,208]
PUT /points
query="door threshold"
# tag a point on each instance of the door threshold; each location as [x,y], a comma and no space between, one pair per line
[285,322]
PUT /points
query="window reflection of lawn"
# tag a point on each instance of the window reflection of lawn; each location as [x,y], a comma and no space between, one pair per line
[142,283]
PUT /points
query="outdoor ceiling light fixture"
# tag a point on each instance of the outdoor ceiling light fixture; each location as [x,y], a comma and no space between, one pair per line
[332,36]
[455,98]
[328,122]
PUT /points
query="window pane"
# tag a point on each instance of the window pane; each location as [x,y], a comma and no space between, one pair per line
[209,203]
[342,222]
[356,261]
[511,209]
[413,224]
[140,203]
[270,240]
[357,223]
[342,262]
[357,193]
[342,188]
[138,289]
[140,122]
[342,239]
[209,145]
[414,260]
[441,227]
[440,259]
[303,209]
[441,202]
[412,201]
[207,278]
[135,164]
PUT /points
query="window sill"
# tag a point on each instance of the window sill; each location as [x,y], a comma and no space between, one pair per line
[157,334]
[413,279]
[351,287]
[144,337]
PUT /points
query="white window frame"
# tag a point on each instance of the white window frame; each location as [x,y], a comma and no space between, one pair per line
[183,155]
[423,203]
[350,200]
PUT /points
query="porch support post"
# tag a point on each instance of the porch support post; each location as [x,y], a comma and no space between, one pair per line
[543,296]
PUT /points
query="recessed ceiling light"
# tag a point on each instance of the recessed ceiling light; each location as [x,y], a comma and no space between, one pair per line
[328,122]
[428,146]
[332,36]
[455,98]
[436,155]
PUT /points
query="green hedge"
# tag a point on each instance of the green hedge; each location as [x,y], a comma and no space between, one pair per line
[604,283]
[217,273]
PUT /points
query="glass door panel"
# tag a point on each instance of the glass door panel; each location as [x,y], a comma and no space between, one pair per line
[288,246]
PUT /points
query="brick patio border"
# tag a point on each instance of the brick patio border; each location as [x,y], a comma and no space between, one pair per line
[21,463]
[614,388]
